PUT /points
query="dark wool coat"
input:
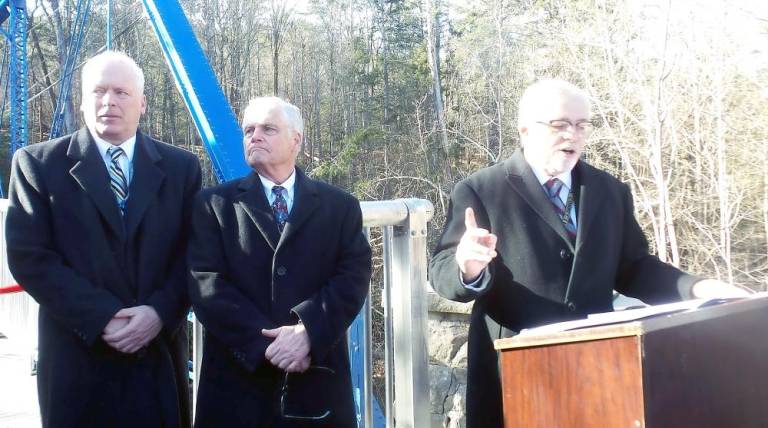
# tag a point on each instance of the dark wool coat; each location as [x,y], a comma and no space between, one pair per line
[70,248]
[247,277]
[539,276]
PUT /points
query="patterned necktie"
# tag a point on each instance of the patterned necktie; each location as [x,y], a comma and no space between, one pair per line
[553,187]
[279,207]
[117,179]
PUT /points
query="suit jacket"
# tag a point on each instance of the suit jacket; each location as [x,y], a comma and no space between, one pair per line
[539,276]
[71,249]
[247,277]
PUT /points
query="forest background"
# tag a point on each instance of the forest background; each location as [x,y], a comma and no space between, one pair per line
[403,98]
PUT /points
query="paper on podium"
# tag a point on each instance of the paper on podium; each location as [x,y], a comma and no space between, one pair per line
[615,317]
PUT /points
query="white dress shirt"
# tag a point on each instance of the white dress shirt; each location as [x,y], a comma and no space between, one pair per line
[288,192]
[126,162]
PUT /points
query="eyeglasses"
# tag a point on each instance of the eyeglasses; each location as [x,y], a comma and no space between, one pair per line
[302,384]
[585,126]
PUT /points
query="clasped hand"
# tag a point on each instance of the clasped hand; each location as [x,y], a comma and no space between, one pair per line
[131,329]
[290,348]
[476,248]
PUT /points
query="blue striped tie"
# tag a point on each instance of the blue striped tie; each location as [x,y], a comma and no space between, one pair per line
[117,179]
[553,187]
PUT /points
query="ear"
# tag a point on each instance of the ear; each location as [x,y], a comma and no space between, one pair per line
[143,104]
[297,137]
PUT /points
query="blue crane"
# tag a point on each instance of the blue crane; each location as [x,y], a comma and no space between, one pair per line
[16,35]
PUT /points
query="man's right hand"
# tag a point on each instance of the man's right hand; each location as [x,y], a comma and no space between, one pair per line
[114,325]
[475,250]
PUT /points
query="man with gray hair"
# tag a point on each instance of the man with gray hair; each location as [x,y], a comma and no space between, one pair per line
[280,269]
[96,230]
[545,237]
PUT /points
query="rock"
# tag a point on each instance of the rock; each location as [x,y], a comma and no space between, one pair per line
[454,418]
[445,339]
[440,385]
[448,328]
[460,359]
[442,305]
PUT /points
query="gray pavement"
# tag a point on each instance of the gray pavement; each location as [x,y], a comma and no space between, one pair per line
[18,388]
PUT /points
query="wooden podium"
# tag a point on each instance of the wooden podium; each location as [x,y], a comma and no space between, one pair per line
[702,368]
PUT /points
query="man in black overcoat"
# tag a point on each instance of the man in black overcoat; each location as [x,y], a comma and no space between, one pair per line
[545,237]
[280,269]
[96,231]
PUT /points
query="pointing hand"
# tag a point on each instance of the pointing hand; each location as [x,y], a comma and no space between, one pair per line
[476,249]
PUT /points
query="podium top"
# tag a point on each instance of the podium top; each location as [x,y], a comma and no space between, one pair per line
[636,322]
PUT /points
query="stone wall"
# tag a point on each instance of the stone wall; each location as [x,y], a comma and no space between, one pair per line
[447,341]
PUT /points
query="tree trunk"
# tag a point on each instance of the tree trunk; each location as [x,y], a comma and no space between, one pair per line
[432,9]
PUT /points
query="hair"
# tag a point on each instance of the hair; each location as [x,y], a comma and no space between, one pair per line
[540,92]
[291,112]
[102,60]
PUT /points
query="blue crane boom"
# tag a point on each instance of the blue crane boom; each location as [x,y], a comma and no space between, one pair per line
[18,89]
[197,83]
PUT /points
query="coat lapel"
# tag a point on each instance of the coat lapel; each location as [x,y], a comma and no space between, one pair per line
[91,174]
[590,189]
[254,202]
[146,181]
[305,201]
[524,182]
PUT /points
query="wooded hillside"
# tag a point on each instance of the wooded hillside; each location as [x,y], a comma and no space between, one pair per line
[402,98]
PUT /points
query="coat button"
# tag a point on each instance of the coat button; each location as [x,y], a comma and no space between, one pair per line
[281,271]
[564,254]
[571,306]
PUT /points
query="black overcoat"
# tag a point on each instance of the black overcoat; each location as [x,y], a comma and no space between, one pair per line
[247,277]
[539,275]
[69,247]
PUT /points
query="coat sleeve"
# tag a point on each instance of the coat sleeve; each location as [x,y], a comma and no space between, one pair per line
[35,263]
[329,312]
[443,269]
[219,304]
[641,274]
[171,301]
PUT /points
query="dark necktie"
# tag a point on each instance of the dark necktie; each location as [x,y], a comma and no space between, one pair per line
[117,180]
[279,207]
[553,187]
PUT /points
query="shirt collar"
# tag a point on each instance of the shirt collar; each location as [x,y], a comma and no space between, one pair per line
[128,146]
[543,177]
[288,184]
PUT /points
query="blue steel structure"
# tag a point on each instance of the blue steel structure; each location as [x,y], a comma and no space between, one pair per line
[358,333]
[109,25]
[65,85]
[210,110]
[16,10]
[17,36]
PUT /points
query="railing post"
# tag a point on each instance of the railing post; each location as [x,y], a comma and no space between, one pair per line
[409,315]
[197,359]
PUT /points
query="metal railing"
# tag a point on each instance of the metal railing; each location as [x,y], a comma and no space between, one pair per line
[403,225]
[404,241]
